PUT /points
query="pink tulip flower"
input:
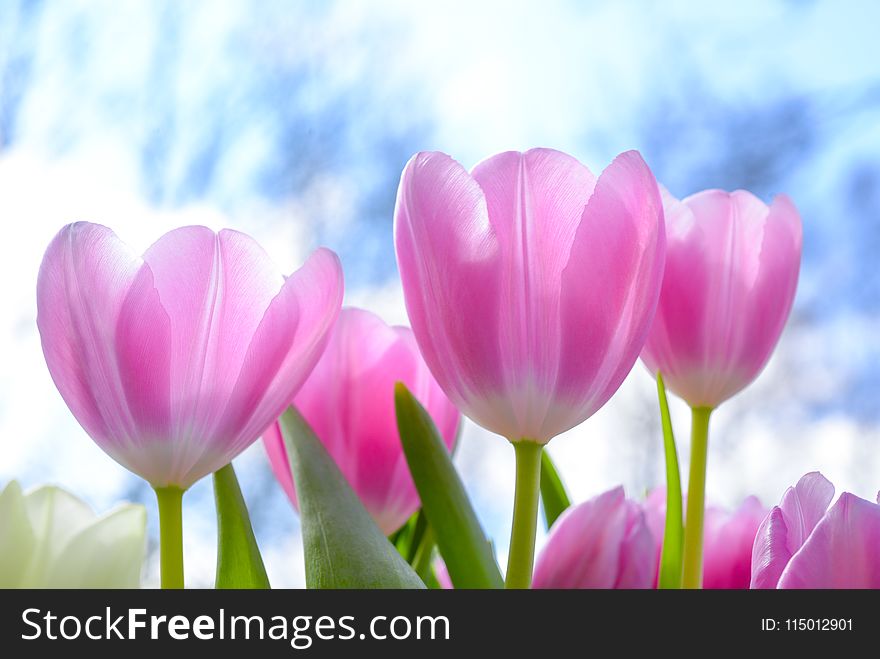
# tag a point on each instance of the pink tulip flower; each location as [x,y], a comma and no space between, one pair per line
[731,271]
[602,543]
[348,400]
[530,283]
[175,362]
[727,539]
[803,543]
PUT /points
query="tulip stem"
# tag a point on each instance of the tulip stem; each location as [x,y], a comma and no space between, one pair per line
[692,576]
[170,535]
[525,514]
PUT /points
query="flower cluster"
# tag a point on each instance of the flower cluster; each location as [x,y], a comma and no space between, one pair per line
[532,287]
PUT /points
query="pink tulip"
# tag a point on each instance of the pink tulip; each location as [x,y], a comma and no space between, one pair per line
[175,362]
[727,539]
[348,400]
[530,283]
[731,271]
[803,543]
[602,543]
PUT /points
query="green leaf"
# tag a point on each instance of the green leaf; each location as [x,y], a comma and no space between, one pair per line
[671,555]
[343,546]
[420,527]
[553,494]
[401,537]
[239,564]
[462,543]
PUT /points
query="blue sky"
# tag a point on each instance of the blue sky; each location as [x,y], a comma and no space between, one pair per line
[292,121]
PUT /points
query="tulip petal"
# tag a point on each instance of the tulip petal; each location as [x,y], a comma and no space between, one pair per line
[17,541]
[143,351]
[277,361]
[216,289]
[610,287]
[82,284]
[804,505]
[108,553]
[770,293]
[784,531]
[56,517]
[278,460]
[728,543]
[535,201]
[637,567]
[842,550]
[770,553]
[449,261]
[594,545]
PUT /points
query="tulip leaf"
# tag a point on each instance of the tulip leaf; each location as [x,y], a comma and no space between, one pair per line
[239,564]
[466,551]
[343,546]
[672,552]
[553,495]
[401,537]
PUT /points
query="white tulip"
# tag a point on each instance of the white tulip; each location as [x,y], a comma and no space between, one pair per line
[51,539]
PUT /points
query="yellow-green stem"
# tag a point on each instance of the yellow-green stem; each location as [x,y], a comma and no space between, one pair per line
[692,575]
[170,536]
[525,514]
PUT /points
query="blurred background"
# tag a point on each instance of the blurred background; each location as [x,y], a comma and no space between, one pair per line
[292,121]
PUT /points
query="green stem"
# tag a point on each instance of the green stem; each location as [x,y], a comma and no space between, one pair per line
[671,553]
[171,535]
[525,514]
[692,576]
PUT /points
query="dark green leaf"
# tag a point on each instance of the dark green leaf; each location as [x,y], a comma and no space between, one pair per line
[553,494]
[462,543]
[343,546]
[671,555]
[239,564]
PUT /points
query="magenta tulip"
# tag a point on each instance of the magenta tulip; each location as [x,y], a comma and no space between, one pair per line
[803,543]
[602,543]
[175,362]
[348,400]
[731,271]
[530,285]
[727,539]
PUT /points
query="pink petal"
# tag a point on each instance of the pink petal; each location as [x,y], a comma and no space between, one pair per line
[535,202]
[278,460]
[727,546]
[842,551]
[803,506]
[450,267]
[637,567]
[610,287]
[284,349]
[83,281]
[787,527]
[216,289]
[594,545]
[442,574]
[143,348]
[772,289]
[770,553]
